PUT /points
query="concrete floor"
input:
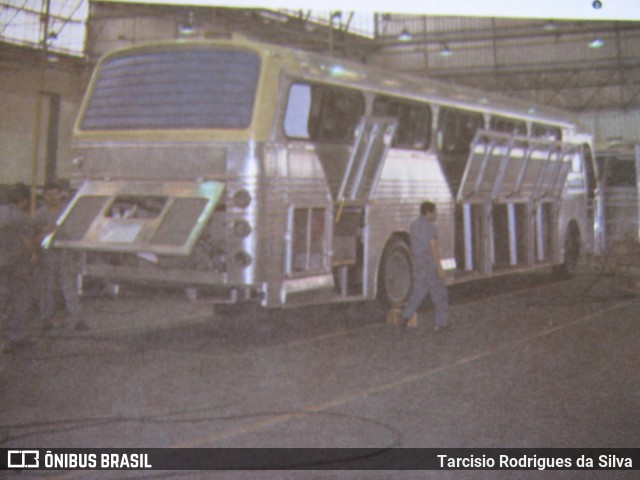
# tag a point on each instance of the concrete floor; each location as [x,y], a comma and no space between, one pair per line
[529,362]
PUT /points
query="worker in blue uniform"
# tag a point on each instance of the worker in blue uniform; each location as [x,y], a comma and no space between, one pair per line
[428,275]
[17,257]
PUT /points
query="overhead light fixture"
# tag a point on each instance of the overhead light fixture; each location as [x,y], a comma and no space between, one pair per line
[187,28]
[596,43]
[405,35]
[445,51]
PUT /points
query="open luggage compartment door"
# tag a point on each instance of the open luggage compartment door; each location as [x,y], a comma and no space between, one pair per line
[137,217]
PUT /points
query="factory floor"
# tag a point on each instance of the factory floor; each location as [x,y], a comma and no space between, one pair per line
[529,362]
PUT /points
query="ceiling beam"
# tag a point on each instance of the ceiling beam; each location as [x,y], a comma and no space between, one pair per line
[509,33]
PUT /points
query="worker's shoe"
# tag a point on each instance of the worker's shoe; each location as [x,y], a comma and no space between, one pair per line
[411,322]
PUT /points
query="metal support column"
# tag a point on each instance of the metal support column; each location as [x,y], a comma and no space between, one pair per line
[513,238]
[468,238]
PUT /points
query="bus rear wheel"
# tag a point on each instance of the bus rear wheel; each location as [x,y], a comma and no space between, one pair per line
[394,281]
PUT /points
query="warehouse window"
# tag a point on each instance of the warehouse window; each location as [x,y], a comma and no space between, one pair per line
[322,113]
[456,129]
[507,125]
[414,121]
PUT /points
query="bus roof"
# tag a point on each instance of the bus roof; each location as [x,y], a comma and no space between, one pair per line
[376,78]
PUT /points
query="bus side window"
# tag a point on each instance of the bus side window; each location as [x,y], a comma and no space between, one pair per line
[341,111]
[456,129]
[549,132]
[296,117]
[322,112]
[507,125]
[414,121]
[315,113]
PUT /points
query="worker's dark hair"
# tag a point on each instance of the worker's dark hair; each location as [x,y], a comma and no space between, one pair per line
[18,193]
[52,186]
[427,207]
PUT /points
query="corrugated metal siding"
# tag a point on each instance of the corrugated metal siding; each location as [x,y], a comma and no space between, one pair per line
[630,43]
[444,24]
[613,125]
[551,50]
[473,54]
[504,52]
[123,32]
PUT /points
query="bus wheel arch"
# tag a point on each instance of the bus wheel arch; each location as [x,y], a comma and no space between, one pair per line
[394,272]
[571,251]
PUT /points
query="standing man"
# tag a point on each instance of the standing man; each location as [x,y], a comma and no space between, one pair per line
[17,257]
[55,268]
[428,275]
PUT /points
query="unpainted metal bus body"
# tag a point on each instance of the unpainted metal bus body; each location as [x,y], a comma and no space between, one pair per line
[292,178]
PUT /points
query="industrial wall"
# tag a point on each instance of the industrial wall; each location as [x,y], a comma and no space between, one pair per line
[60,88]
[613,126]
[573,65]
[541,61]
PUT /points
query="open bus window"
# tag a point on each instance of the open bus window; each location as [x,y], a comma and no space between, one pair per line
[456,129]
[548,132]
[322,113]
[507,125]
[414,121]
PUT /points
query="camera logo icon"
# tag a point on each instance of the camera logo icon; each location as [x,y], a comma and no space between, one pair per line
[23,459]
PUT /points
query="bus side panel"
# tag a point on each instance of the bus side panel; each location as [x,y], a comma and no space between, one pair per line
[292,182]
[408,179]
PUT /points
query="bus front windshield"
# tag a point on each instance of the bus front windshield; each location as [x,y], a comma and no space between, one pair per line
[174,89]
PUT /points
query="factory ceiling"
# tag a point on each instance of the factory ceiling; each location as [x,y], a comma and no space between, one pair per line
[575,65]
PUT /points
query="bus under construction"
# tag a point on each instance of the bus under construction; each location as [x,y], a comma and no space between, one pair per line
[249,172]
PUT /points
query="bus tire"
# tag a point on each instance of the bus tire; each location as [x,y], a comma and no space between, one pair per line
[394,280]
[572,244]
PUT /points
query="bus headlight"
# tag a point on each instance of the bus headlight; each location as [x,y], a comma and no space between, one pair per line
[242,259]
[242,228]
[241,198]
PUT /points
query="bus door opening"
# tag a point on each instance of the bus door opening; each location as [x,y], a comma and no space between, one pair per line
[472,245]
[357,188]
